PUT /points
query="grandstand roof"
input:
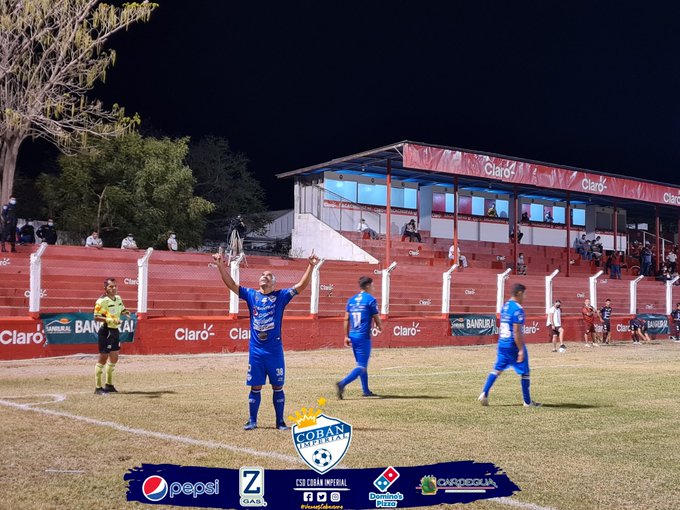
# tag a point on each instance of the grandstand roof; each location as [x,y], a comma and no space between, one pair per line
[431,164]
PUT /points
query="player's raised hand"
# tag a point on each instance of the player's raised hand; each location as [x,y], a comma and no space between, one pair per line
[313,259]
[217,257]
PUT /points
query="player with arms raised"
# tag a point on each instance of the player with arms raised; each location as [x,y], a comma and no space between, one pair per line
[265,360]
[361,313]
[511,348]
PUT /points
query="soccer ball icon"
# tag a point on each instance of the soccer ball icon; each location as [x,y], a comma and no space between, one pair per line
[322,457]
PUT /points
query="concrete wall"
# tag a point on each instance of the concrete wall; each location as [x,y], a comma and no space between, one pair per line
[311,233]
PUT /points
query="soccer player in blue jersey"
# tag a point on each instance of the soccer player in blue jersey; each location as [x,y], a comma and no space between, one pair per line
[265,359]
[511,348]
[361,313]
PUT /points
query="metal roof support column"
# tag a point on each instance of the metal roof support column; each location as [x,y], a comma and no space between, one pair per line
[455,220]
[616,227]
[567,218]
[659,255]
[515,239]
[388,227]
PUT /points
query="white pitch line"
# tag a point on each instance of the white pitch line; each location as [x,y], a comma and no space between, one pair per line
[149,433]
[66,471]
[521,504]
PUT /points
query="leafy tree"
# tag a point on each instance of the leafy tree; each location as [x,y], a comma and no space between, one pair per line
[128,184]
[51,56]
[223,178]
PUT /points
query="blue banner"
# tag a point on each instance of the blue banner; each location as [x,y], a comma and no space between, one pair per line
[657,324]
[473,324]
[255,487]
[81,328]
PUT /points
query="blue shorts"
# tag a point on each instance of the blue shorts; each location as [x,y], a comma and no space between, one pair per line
[507,356]
[266,366]
[362,351]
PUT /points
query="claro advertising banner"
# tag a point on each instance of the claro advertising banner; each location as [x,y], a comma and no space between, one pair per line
[437,159]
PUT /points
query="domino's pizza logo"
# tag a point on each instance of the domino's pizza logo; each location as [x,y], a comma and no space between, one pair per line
[386,479]
[155,488]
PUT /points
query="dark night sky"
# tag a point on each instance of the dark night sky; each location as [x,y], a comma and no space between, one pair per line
[294,84]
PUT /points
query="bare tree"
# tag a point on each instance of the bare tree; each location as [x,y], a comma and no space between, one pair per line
[51,55]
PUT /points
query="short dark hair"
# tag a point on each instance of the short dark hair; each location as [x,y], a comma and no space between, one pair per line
[607,300]
[365,281]
[517,288]
[106,282]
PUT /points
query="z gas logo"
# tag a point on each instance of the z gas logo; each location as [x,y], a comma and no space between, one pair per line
[251,486]
[596,186]
[192,335]
[498,171]
[155,488]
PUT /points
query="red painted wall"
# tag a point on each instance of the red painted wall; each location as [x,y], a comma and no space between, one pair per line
[22,338]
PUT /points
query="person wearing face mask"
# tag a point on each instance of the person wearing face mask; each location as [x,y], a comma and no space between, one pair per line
[172,242]
[9,218]
[555,329]
[129,243]
[47,233]
[27,233]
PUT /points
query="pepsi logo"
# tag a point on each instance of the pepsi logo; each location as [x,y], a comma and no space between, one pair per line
[155,488]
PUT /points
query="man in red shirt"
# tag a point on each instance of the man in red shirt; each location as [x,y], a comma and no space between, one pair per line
[616,266]
[588,313]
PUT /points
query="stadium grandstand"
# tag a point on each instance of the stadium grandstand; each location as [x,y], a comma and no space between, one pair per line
[476,202]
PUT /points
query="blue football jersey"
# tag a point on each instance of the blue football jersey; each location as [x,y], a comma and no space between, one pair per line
[361,309]
[266,314]
[512,313]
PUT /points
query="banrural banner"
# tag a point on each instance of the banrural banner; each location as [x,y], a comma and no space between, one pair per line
[81,328]
[468,324]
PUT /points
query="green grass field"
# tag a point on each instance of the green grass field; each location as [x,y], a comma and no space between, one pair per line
[608,435]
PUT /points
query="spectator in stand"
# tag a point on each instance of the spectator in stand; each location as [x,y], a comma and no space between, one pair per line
[364,228]
[129,243]
[663,276]
[578,244]
[172,242]
[548,217]
[94,241]
[47,233]
[521,265]
[27,233]
[615,265]
[672,260]
[491,212]
[520,235]
[462,259]
[524,218]
[596,249]
[646,260]
[675,317]
[587,250]
[9,221]
[411,230]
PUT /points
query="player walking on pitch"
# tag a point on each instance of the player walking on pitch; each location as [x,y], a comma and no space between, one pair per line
[265,360]
[511,348]
[361,313]
[107,311]
[554,324]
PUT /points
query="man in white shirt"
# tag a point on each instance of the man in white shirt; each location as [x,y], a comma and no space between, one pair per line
[363,227]
[462,259]
[554,323]
[672,260]
[94,241]
[172,242]
[129,243]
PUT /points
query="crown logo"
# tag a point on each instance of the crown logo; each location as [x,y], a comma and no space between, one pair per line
[307,417]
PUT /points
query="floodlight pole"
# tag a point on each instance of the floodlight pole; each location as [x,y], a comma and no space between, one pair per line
[446,290]
[593,288]
[236,276]
[633,294]
[316,281]
[35,281]
[500,288]
[669,294]
[548,290]
[385,305]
